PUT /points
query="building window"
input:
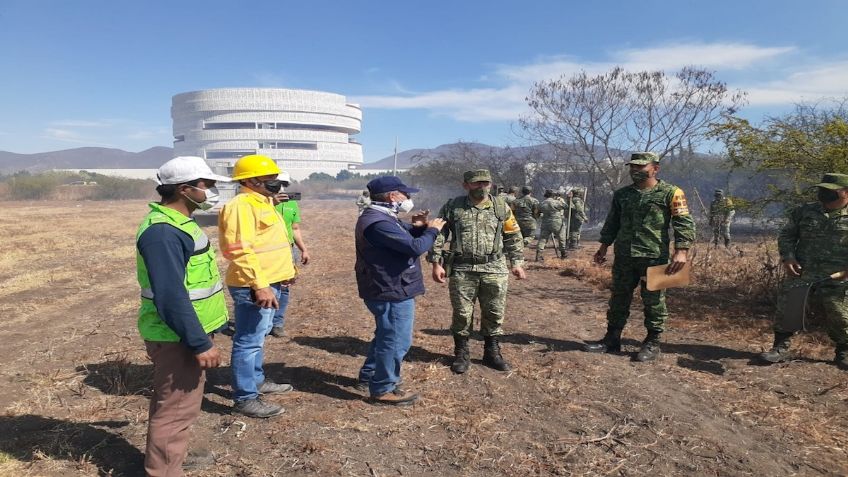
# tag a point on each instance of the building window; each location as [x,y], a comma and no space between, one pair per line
[179,138]
[229,125]
[310,146]
[232,154]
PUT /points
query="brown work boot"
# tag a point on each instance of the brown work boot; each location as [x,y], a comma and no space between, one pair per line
[396,397]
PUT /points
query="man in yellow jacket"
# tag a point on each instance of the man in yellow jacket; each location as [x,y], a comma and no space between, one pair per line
[253,238]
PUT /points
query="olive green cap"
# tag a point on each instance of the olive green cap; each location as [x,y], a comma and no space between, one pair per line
[642,158]
[478,175]
[834,181]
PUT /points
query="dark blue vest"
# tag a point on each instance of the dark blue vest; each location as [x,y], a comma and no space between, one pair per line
[381,273]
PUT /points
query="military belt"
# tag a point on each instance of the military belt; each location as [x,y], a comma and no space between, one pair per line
[476,259]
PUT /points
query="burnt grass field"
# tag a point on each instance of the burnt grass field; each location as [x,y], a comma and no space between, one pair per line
[75,379]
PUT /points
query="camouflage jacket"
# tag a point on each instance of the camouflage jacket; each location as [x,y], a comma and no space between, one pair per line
[817,238]
[479,240]
[526,208]
[638,221]
[722,209]
[552,211]
[578,210]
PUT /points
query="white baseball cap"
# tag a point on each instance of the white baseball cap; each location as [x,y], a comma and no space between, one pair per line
[182,169]
[284,176]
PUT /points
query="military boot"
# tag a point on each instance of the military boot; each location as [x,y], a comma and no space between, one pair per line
[539,257]
[610,343]
[650,349]
[461,361]
[727,243]
[492,354]
[779,352]
[841,358]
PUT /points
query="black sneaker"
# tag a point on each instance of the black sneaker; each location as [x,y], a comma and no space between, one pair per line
[258,408]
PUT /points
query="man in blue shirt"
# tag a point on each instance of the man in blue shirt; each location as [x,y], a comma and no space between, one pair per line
[388,274]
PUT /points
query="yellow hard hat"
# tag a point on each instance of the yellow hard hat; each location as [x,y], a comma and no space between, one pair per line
[254,165]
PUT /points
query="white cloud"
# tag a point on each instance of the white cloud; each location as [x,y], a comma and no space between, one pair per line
[511,83]
[102,132]
[720,56]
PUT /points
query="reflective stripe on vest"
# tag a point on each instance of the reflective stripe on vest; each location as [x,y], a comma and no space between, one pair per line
[193,294]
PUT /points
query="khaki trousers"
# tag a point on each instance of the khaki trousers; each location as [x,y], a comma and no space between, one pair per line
[177,393]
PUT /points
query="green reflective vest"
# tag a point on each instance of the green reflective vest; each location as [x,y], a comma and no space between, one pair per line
[202,280]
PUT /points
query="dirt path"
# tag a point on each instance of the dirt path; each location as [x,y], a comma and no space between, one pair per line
[75,376]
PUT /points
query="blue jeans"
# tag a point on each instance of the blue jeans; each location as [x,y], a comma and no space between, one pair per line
[252,324]
[280,314]
[392,339]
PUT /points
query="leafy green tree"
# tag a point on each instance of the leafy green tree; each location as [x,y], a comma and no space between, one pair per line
[795,149]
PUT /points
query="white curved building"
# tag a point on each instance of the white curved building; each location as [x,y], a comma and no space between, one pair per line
[304,131]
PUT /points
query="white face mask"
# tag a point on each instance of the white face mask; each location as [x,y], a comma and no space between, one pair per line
[405,206]
[212,198]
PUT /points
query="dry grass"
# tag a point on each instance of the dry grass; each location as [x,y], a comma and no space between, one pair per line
[77,377]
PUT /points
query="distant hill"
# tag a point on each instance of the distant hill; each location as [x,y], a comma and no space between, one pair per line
[85,158]
[412,157]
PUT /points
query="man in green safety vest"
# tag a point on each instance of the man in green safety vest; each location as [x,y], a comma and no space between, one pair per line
[182,304]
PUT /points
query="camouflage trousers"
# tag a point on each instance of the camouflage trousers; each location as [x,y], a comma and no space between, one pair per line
[528,229]
[555,231]
[574,231]
[721,230]
[627,273]
[489,289]
[827,303]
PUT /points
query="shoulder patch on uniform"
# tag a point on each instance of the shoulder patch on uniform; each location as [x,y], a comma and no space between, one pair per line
[511,225]
[678,203]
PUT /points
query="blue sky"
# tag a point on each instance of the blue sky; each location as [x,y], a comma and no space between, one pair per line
[102,73]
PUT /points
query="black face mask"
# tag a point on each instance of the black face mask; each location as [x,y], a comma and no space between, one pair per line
[827,195]
[273,186]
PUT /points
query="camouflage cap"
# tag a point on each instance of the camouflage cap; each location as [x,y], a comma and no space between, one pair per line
[719,191]
[478,175]
[526,190]
[834,181]
[512,189]
[642,158]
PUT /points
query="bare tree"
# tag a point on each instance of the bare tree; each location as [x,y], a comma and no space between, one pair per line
[595,121]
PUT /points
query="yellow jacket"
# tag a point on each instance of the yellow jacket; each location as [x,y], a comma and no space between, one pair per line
[253,238]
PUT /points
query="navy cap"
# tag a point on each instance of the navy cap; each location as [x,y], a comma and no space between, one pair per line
[389,183]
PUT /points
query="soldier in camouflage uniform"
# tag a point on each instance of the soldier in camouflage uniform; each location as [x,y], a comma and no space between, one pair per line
[552,209]
[483,235]
[813,245]
[526,210]
[575,213]
[510,195]
[721,214]
[638,223]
